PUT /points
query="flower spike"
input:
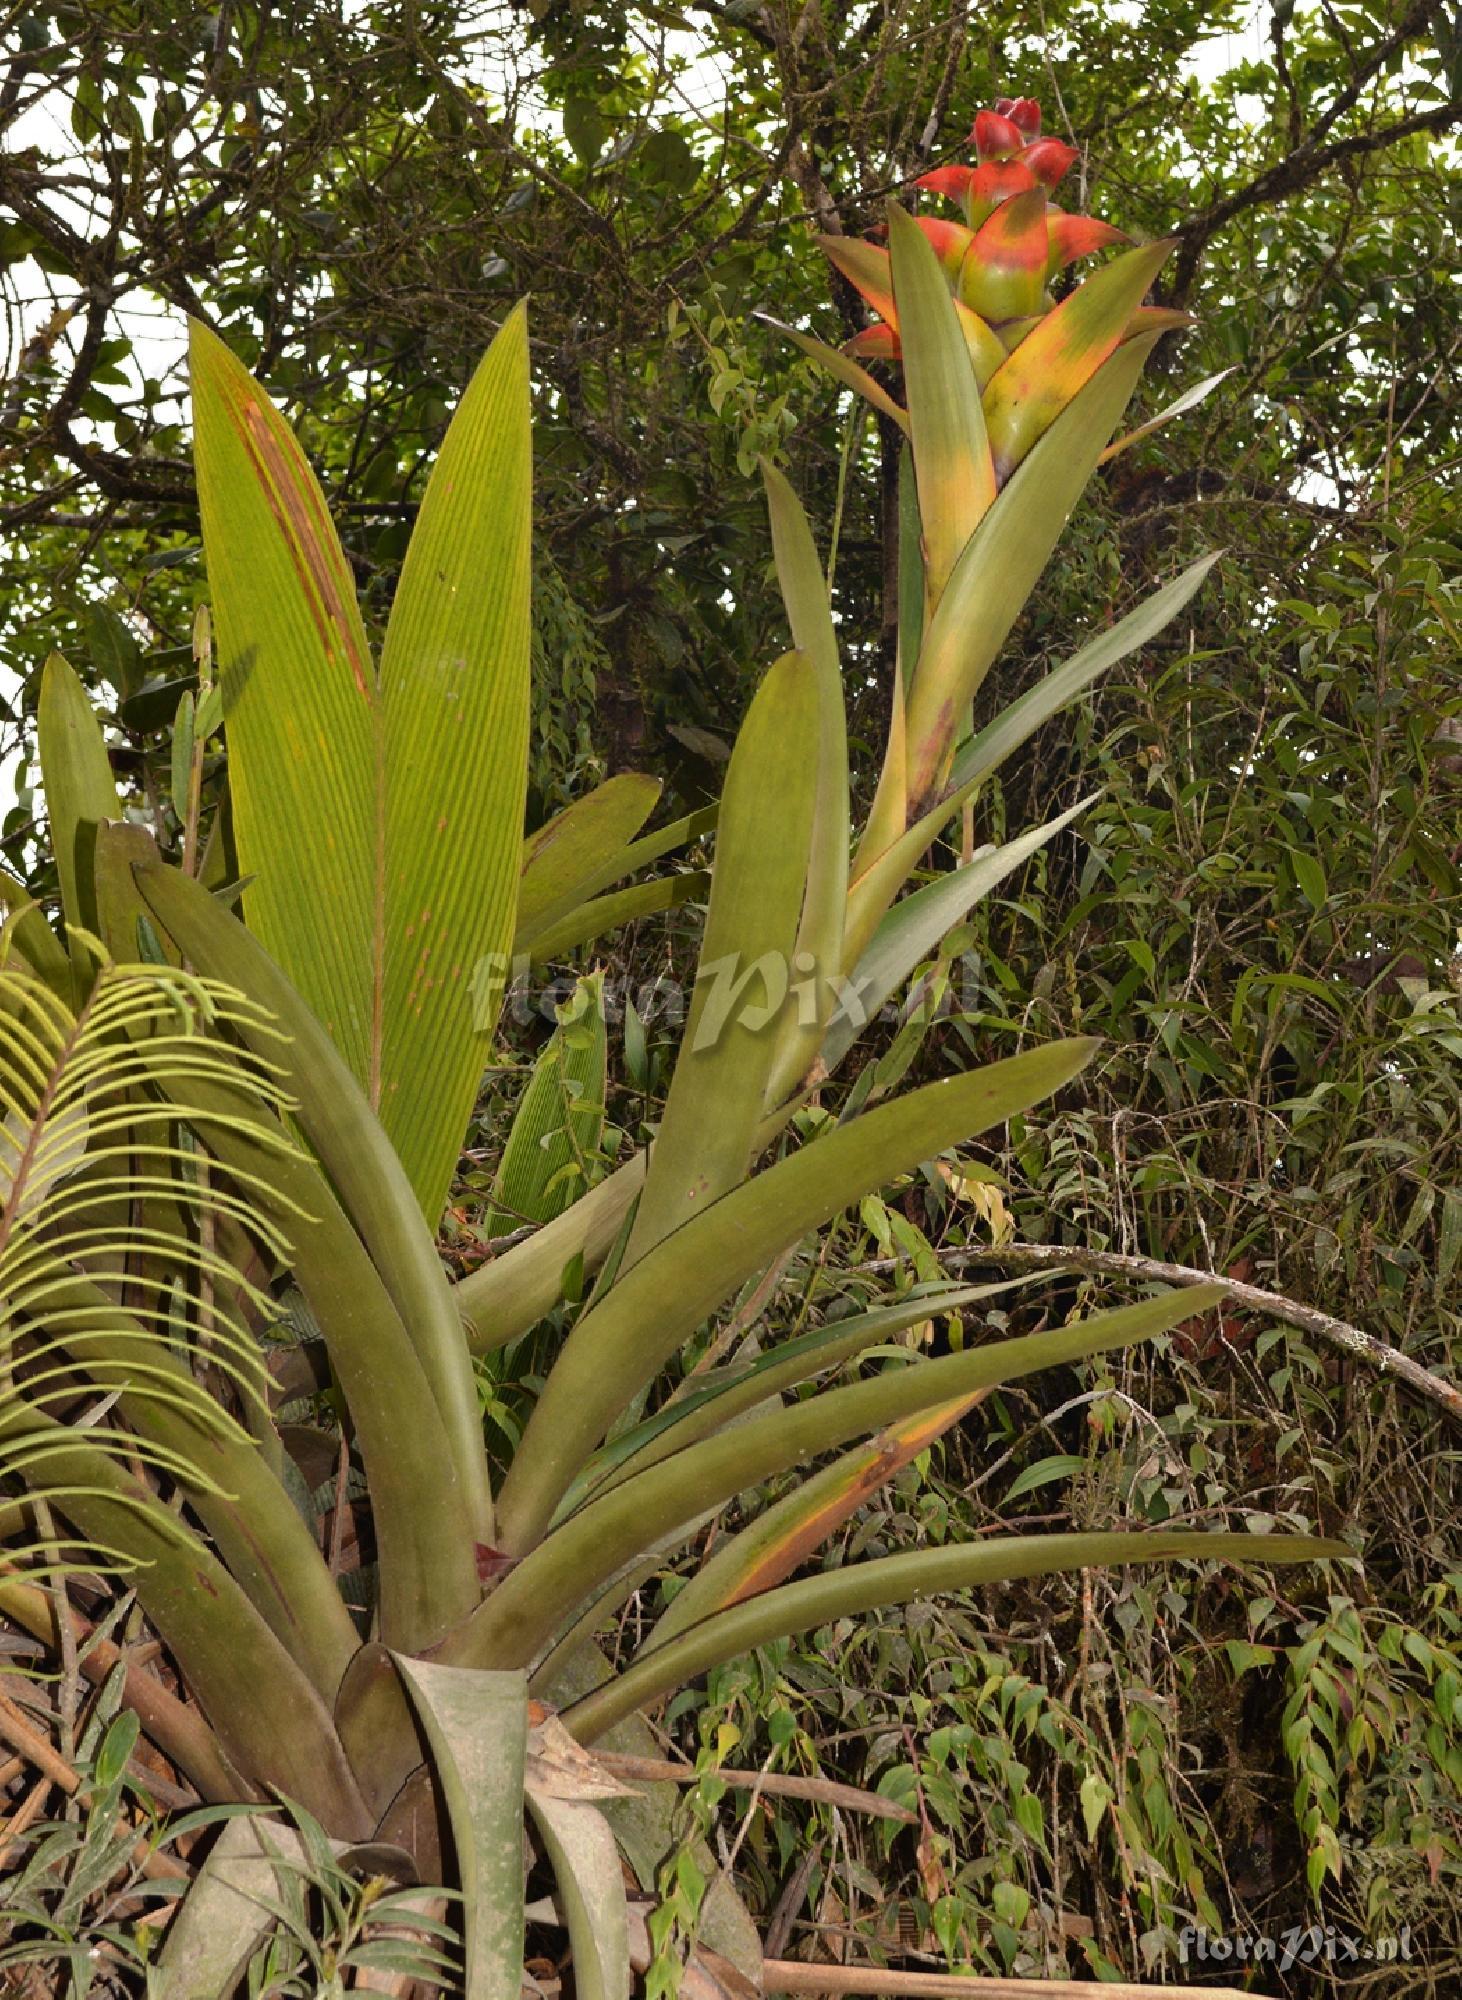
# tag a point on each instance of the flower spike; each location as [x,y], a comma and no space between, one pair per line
[998,262]
[1012,397]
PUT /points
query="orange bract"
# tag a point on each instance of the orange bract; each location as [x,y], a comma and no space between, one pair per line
[998,262]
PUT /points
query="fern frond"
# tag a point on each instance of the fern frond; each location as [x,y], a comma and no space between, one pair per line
[114,1293]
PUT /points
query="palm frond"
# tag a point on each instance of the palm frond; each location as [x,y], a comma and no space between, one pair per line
[116,1287]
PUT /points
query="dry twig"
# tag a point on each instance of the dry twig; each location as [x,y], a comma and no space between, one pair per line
[1309,1319]
[822,1791]
[786,1975]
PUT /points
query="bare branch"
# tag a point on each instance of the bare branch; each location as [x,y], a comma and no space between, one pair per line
[1306,164]
[1309,1319]
[789,1975]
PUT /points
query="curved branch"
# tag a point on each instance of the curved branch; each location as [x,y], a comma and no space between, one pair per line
[1295,171]
[1308,1319]
[789,1975]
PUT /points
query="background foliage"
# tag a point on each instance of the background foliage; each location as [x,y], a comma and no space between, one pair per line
[1260,914]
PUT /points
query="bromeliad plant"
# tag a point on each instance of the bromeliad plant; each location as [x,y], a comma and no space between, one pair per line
[1012,401]
[311,1098]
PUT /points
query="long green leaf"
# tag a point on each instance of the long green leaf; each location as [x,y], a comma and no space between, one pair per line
[1179,407]
[664,840]
[405,796]
[1002,561]
[177,1729]
[564,863]
[349,1142]
[27,932]
[454,688]
[729,1393]
[299,695]
[420,1514]
[477,1727]
[744,983]
[912,589]
[554,1137]
[227,1654]
[915,925]
[819,948]
[987,750]
[77,775]
[117,849]
[228,1911]
[616,1347]
[1064,350]
[877,882]
[586,1866]
[846,1593]
[502,1299]
[608,913]
[526,1609]
[799,574]
[779,1541]
[888,816]
[377,1724]
[254,1525]
[952,463]
[844,369]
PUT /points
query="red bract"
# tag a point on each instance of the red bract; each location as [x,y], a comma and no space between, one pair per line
[996,138]
[1001,258]
[951,181]
[1048,160]
[980,189]
[1021,111]
[1030,356]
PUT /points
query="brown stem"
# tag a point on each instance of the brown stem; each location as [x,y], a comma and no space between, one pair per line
[1295,171]
[822,1791]
[786,1975]
[55,1770]
[176,1729]
[1309,1319]
[26,1813]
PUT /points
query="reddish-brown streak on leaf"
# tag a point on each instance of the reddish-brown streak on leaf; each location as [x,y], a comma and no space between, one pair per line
[292,505]
[921,779]
[492,1564]
[887,1454]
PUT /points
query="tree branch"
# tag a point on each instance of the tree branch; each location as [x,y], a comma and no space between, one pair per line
[1309,1319]
[791,1975]
[821,1791]
[1295,171]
